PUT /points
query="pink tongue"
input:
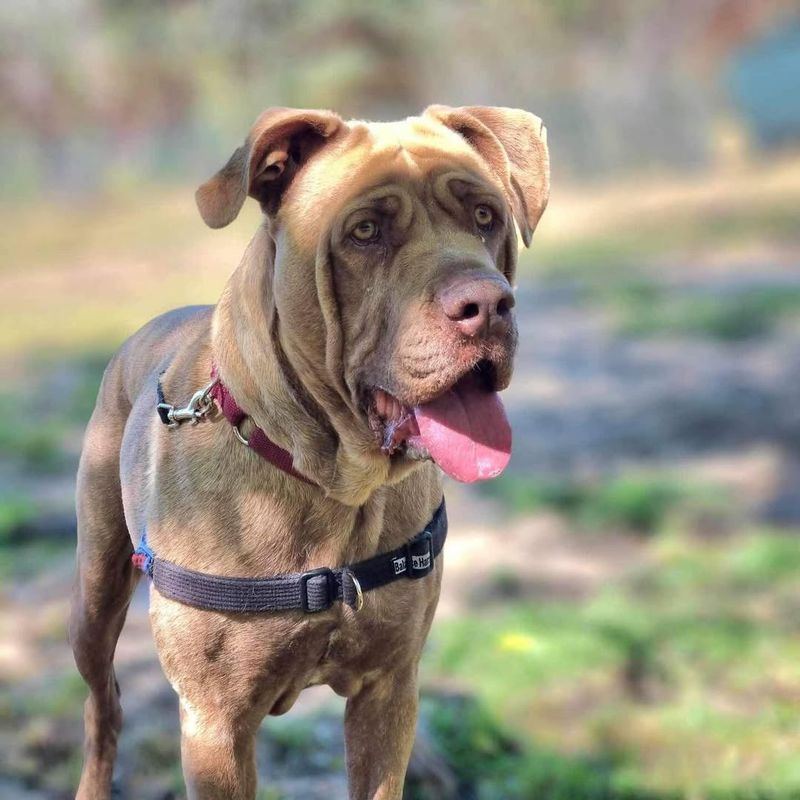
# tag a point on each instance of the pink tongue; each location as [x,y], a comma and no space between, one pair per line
[466,432]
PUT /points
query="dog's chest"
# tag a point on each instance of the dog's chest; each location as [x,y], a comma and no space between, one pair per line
[387,633]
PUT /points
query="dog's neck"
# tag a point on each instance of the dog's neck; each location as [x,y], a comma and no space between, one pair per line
[256,361]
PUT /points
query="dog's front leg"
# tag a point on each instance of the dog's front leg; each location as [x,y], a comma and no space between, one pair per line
[217,754]
[380,722]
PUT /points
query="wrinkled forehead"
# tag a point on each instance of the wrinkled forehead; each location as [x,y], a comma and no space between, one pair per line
[357,161]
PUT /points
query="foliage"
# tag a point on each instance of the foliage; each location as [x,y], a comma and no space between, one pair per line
[647,309]
[672,684]
[14,511]
[634,242]
[635,502]
[150,93]
[492,765]
[35,444]
[37,420]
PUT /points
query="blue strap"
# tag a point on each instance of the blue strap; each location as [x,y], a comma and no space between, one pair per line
[143,557]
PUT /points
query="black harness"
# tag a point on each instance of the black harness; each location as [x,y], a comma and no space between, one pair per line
[311,592]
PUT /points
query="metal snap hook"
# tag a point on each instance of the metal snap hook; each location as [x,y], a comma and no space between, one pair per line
[196,410]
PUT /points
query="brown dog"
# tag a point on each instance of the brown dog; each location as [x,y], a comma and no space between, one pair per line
[366,331]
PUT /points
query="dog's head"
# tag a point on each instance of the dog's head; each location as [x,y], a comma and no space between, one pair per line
[392,250]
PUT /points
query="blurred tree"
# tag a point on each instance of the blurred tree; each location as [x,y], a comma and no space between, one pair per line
[93,88]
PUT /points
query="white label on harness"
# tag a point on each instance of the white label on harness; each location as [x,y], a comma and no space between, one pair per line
[399,565]
[421,562]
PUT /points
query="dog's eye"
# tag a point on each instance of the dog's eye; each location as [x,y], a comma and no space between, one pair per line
[484,216]
[366,232]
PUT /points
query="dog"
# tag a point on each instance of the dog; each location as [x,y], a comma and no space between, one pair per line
[362,340]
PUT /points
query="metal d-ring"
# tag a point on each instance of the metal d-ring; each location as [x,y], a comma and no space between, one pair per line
[238,434]
[359,594]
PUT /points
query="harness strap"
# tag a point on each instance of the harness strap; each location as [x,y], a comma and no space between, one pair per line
[311,592]
[162,407]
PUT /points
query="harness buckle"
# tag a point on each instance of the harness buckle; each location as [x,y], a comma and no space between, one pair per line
[330,588]
[419,556]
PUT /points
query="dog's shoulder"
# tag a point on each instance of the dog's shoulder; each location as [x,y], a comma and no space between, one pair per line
[156,344]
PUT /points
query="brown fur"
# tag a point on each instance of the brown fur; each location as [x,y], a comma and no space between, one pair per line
[307,323]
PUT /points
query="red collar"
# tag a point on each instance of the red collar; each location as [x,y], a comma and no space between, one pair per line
[258,441]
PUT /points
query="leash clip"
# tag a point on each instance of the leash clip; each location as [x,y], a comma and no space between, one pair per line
[197,408]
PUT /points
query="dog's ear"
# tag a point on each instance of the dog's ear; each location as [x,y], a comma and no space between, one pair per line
[514,144]
[279,143]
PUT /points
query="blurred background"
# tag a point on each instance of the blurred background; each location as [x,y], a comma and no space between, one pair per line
[620,617]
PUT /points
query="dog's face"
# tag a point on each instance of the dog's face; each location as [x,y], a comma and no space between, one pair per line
[394,251]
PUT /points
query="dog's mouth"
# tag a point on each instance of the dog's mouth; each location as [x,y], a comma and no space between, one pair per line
[463,429]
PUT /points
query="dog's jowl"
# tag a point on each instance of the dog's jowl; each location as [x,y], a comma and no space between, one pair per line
[273,463]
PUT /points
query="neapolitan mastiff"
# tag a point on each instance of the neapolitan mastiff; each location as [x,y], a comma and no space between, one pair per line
[271,461]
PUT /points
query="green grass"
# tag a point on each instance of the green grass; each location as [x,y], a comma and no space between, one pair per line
[267,793]
[295,738]
[491,764]
[638,503]
[307,744]
[14,512]
[46,719]
[89,275]
[36,420]
[633,245]
[23,561]
[618,269]
[589,260]
[61,696]
[761,561]
[158,753]
[89,367]
[33,444]
[681,681]
[645,309]
[151,221]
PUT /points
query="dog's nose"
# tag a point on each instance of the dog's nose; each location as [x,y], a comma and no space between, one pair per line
[478,306]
